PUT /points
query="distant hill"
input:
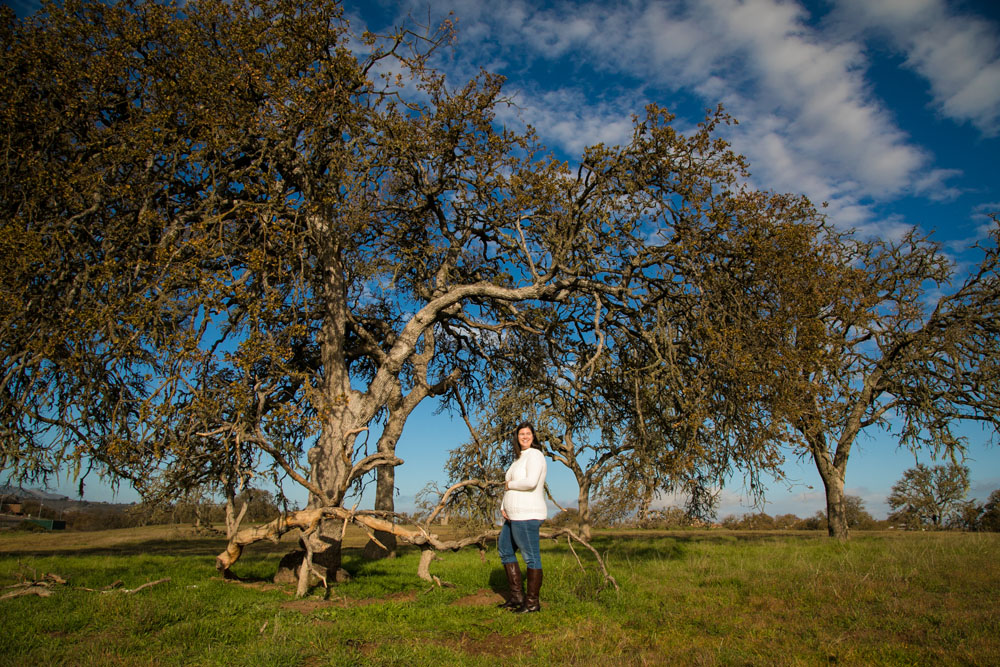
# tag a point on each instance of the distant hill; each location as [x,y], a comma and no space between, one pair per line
[56,500]
[30,494]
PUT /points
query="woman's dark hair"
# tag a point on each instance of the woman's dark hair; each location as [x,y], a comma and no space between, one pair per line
[515,446]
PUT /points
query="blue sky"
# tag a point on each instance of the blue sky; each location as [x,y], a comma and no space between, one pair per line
[887,110]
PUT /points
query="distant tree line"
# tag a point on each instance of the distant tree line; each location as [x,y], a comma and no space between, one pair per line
[605,515]
[201,512]
[917,513]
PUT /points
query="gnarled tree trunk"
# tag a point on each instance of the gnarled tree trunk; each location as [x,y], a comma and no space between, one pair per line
[385,488]
[836,508]
[583,505]
[831,471]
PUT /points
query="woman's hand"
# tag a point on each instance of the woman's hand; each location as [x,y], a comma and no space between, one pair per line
[504,512]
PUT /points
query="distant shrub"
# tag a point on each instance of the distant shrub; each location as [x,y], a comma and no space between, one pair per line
[965,517]
[97,518]
[567,517]
[858,518]
[671,517]
[989,520]
[758,521]
[815,522]
[29,527]
[786,521]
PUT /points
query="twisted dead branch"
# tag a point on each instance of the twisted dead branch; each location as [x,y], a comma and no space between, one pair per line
[570,535]
[309,521]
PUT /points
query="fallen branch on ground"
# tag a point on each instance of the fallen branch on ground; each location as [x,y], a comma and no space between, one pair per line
[41,590]
[42,587]
[571,535]
[116,587]
[146,585]
[309,520]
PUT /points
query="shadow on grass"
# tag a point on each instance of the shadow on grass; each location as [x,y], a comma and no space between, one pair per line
[673,545]
[165,547]
[712,537]
[662,544]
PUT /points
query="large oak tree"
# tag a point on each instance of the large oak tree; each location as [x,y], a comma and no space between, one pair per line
[892,337]
[238,235]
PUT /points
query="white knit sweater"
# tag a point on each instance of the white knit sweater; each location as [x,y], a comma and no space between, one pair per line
[525,496]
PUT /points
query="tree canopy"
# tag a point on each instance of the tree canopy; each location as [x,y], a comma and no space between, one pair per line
[240,234]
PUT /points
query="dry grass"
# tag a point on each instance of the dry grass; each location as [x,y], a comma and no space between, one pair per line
[132,539]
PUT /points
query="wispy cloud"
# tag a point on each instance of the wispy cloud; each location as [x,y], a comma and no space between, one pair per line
[958,54]
[567,118]
[809,119]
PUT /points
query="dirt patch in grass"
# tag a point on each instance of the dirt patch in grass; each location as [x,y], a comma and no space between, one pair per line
[495,644]
[308,606]
[481,598]
[262,585]
[402,596]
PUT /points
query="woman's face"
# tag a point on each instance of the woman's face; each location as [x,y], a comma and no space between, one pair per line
[524,438]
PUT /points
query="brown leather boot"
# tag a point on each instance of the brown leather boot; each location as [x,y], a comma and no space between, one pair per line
[515,598]
[531,602]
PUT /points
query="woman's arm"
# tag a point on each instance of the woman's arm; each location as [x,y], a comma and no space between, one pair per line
[533,469]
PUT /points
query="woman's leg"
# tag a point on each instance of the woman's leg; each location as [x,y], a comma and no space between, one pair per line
[515,587]
[525,534]
[506,545]
[531,599]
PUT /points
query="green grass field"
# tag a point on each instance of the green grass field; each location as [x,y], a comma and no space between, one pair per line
[687,597]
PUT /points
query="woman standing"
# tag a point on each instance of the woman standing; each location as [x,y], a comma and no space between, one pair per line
[523,510]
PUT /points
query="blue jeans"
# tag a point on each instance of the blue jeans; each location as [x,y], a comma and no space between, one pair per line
[521,535]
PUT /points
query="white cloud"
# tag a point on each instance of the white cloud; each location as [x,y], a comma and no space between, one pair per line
[958,54]
[986,208]
[809,119]
[982,226]
[832,129]
[556,35]
[933,184]
[567,118]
